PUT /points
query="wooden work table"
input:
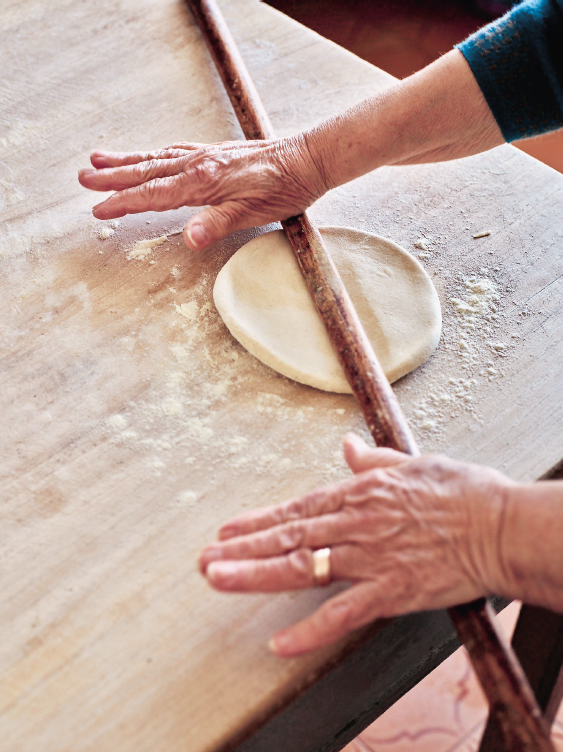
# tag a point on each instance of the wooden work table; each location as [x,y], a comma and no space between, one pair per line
[132,424]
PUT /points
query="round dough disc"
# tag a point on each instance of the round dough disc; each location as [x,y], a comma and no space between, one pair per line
[262,298]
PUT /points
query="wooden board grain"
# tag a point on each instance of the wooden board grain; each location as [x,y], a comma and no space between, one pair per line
[132,423]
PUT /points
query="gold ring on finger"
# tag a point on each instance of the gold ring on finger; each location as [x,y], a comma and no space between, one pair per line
[321,567]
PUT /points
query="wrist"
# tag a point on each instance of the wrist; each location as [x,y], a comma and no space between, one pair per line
[302,165]
[530,544]
[343,148]
[491,496]
[321,146]
[437,114]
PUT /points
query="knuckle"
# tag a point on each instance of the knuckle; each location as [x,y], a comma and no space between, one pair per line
[148,168]
[291,536]
[294,509]
[219,219]
[174,154]
[277,516]
[158,154]
[225,217]
[312,503]
[148,192]
[200,171]
[340,615]
[435,465]
[181,145]
[155,195]
[362,488]
[300,562]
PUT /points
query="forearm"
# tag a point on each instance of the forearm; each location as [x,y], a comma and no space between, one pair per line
[531,544]
[434,115]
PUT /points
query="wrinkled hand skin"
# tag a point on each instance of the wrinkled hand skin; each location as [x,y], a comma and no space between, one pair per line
[245,184]
[409,534]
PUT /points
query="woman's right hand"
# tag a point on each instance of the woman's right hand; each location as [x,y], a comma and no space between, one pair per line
[245,184]
[408,534]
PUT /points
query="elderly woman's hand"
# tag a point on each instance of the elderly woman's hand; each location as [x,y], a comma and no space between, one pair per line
[438,113]
[246,184]
[410,534]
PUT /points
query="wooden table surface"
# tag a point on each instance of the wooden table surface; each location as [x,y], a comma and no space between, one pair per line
[132,424]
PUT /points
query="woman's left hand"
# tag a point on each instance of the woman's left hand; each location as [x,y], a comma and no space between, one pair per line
[409,533]
[243,183]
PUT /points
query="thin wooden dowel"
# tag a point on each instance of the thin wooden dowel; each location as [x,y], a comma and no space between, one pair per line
[371,388]
[510,697]
[369,384]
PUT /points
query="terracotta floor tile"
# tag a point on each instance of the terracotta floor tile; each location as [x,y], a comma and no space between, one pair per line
[446,712]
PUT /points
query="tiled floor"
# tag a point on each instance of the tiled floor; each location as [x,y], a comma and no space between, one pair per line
[446,712]
[402,36]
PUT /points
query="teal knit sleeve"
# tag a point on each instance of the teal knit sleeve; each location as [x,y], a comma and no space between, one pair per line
[518,63]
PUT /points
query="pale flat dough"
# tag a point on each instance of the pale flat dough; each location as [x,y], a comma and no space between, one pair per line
[262,298]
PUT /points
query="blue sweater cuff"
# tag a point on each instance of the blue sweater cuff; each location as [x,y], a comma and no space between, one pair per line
[518,64]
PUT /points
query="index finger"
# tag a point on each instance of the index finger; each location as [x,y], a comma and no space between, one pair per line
[159,194]
[129,176]
[101,159]
[321,501]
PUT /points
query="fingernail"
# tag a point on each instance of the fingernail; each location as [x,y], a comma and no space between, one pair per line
[212,554]
[353,437]
[279,644]
[210,572]
[86,172]
[227,532]
[198,235]
[221,571]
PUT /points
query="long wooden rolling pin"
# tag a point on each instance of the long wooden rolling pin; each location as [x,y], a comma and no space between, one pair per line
[510,697]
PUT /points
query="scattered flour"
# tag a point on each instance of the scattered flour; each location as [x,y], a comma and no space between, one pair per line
[189,310]
[480,299]
[117,422]
[179,428]
[187,498]
[237,444]
[422,243]
[172,406]
[499,347]
[478,306]
[143,248]
[105,232]
[448,401]
[179,414]
[158,465]
[476,313]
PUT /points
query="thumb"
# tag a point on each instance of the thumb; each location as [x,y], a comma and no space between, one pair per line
[340,614]
[213,224]
[360,457]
